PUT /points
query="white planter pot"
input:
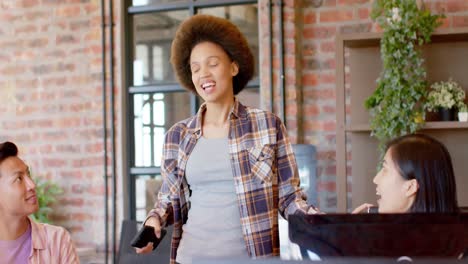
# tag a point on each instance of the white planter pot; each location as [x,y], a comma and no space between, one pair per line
[463,116]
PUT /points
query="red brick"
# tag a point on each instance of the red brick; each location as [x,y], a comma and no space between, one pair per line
[87,162]
[68,122]
[96,190]
[66,39]
[319,32]
[29,3]
[79,25]
[329,3]
[54,81]
[454,6]
[327,78]
[37,43]
[54,136]
[353,2]
[309,49]
[94,35]
[71,174]
[56,54]
[326,186]
[67,11]
[460,21]
[32,15]
[75,228]
[92,7]
[364,13]
[320,94]
[329,126]
[439,6]
[57,217]
[13,70]
[327,46]
[25,55]
[26,29]
[94,148]
[328,109]
[356,28]
[326,155]
[291,110]
[71,201]
[335,16]
[310,18]
[79,217]
[55,163]
[77,189]
[309,79]
[22,110]
[445,23]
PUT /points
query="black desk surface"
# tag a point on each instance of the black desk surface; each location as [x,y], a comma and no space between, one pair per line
[330,261]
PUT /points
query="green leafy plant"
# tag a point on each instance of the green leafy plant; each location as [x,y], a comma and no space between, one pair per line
[46,192]
[447,95]
[396,106]
[463,108]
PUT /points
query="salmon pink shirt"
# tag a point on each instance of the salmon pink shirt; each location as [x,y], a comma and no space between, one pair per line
[51,244]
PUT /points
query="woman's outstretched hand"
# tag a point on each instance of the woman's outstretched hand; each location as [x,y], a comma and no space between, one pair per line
[154,222]
[363,208]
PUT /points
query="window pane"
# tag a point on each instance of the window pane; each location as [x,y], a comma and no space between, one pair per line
[148,2]
[153,35]
[245,17]
[146,191]
[154,114]
[249,97]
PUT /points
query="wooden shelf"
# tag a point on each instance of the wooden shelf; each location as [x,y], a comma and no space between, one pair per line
[445,125]
[369,39]
[428,126]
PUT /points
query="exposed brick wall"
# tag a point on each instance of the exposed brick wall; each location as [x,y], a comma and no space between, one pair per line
[316,23]
[50,85]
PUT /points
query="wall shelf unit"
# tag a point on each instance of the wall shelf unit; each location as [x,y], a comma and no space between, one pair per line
[446,56]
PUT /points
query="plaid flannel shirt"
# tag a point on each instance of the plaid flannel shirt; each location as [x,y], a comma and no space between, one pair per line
[265,176]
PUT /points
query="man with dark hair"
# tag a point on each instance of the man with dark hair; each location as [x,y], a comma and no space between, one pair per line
[21,239]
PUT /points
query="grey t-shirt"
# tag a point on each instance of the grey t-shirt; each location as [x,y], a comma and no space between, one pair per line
[213,228]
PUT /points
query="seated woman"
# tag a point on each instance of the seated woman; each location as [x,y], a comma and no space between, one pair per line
[416,176]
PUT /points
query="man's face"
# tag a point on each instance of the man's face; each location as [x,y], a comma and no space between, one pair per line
[17,189]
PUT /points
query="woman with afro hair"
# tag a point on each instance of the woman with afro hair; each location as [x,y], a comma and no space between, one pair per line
[230,169]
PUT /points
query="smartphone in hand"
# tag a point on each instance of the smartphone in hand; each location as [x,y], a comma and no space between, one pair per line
[146,235]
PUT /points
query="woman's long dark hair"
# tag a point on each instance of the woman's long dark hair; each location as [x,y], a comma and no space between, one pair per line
[427,160]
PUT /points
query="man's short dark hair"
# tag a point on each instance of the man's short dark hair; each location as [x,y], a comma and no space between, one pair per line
[7,149]
[206,28]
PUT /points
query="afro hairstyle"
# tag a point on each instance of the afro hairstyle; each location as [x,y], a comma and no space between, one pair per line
[207,28]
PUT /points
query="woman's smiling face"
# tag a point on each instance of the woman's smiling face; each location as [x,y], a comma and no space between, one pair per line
[396,194]
[212,72]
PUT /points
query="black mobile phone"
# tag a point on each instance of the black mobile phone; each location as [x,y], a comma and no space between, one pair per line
[373,210]
[146,235]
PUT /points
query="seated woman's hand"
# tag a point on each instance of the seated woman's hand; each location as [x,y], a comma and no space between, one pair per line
[314,210]
[363,208]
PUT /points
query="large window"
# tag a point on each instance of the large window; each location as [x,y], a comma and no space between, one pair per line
[155,100]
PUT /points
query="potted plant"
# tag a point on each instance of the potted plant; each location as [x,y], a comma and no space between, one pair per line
[446,97]
[46,192]
[396,106]
[463,113]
